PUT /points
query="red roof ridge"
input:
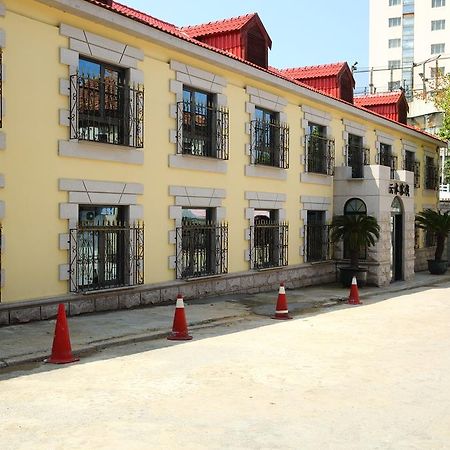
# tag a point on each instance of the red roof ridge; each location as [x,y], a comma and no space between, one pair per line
[379,98]
[218,26]
[314,71]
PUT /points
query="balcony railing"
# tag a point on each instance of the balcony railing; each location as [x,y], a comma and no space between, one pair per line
[317,242]
[444,192]
[431,177]
[357,158]
[269,244]
[104,111]
[385,159]
[270,143]
[319,155]
[106,256]
[202,250]
[203,130]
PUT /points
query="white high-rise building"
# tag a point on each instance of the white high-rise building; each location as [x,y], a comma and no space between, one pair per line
[409,46]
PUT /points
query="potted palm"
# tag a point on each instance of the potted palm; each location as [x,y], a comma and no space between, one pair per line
[357,231]
[437,223]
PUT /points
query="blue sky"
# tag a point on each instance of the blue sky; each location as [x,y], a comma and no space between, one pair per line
[303,32]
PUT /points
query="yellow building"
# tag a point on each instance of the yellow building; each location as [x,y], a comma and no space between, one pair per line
[138,159]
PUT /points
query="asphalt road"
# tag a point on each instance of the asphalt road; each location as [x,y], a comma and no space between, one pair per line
[375,376]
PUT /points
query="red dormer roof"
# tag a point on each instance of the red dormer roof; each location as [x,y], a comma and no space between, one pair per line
[389,104]
[324,70]
[227,26]
[244,36]
[333,79]
[385,98]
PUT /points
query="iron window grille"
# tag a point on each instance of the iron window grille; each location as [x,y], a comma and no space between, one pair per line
[270,143]
[388,160]
[269,244]
[416,174]
[203,130]
[431,176]
[319,154]
[202,249]
[103,110]
[106,256]
[317,239]
[357,157]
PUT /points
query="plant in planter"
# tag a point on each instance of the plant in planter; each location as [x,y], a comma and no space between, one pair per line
[437,223]
[356,231]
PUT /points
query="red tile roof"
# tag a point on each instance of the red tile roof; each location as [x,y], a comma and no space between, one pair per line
[386,98]
[219,26]
[324,70]
[142,17]
[174,30]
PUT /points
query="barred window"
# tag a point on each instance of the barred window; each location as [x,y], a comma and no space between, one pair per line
[106,251]
[202,244]
[268,240]
[104,107]
[319,150]
[269,139]
[202,125]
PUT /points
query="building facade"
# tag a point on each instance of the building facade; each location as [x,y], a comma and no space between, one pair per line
[409,47]
[139,159]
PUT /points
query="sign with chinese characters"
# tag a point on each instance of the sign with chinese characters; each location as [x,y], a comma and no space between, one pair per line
[399,189]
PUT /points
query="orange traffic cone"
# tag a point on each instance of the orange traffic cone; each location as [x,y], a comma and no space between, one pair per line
[61,349]
[353,298]
[281,311]
[179,327]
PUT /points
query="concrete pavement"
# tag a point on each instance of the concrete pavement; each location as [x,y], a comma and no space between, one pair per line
[25,343]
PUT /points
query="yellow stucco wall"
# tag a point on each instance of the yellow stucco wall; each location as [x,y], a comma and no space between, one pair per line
[32,167]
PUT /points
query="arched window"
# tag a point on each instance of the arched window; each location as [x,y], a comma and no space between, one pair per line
[355,206]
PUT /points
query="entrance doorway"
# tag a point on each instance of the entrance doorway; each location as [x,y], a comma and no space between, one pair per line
[396,240]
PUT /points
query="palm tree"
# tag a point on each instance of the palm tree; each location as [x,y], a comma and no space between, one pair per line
[357,231]
[437,223]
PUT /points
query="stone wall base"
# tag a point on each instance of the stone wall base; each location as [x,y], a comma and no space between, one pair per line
[245,282]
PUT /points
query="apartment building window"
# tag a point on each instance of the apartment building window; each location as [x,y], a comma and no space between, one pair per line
[106,251]
[394,43]
[437,3]
[437,48]
[431,173]
[357,155]
[269,240]
[437,72]
[104,107]
[394,2]
[202,244]
[395,21]
[269,139]
[319,150]
[394,85]
[385,158]
[438,25]
[203,125]
[317,241]
[394,64]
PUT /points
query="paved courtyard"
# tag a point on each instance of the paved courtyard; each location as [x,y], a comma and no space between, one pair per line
[375,376]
